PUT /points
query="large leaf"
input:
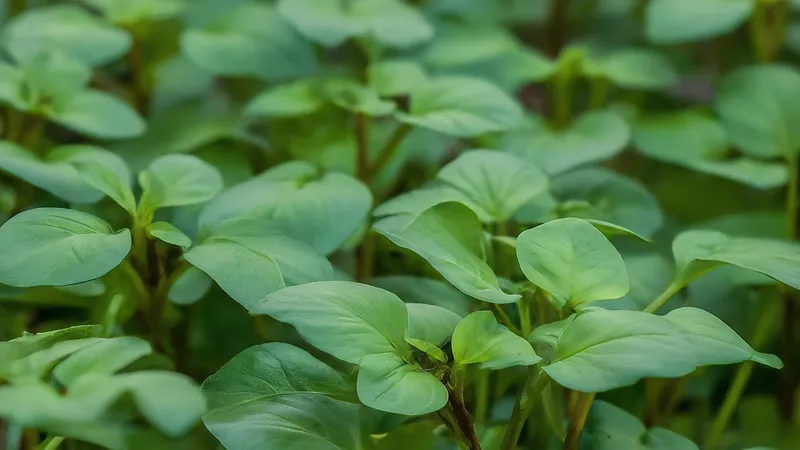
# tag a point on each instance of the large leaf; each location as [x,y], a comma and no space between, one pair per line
[500,183]
[573,261]
[391,23]
[56,247]
[634,68]
[105,357]
[387,383]
[253,403]
[693,140]
[67,28]
[611,428]
[105,172]
[321,210]
[425,290]
[250,259]
[600,350]
[396,77]
[479,339]
[348,320]
[99,115]
[32,367]
[248,39]
[462,107]
[417,201]
[449,237]
[698,251]
[55,172]
[290,100]
[681,21]
[178,180]
[31,343]
[594,136]
[754,104]
[430,323]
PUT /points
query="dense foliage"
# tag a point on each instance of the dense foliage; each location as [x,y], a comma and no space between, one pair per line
[390,224]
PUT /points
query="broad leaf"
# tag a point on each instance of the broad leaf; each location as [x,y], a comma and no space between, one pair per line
[190,287]
[479,339]
[248,39]
[105,172]
[99,115]
[449,237]
[611,428]
[600,350]
[178,180]
[387,383]
[320,210]
[500,183]
[681,21]
[755,107]
[357,98]
[290,100]
[34,366]
[348,320]
[634,68]
[396,77]
[573,261]
[430,323]
[699,251]
[30,343]
[419,200]
[56,247]
[425,290]
[695,141]
[166,232]
[250,259]
[462,107]
[106,357]
[66,28]
[391,23]
[131,12]
[593,137]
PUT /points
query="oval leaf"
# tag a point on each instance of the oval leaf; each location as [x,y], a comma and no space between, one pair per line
[479,339]
[387,383]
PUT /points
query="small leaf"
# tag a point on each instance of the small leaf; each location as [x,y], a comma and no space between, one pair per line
[419,200]
[36,365]
[430,323]
[30,343]
[755,107]
[449,237]
[178,180]
[56,247]
[166,232]
[348,320]
[592,137]
[190,287]
[106,357]
[682,21]
[130,12]
[357,98]
[573,261]
[99,115]
[291,100]
[66,28]
[429,349]
[500,183]
[396,77]
[107,174]
[391,23]
[387,383]
[462,107]
[634,68]
[611,229]
[479,339]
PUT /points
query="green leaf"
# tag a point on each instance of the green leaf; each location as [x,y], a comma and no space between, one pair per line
[419,200]
[500,183]
[166,232]
[348,320]
[429,349]
[178,180]
[320,210]
[430,323]
[354,97]
[290,100]
[611,428]
[56,247]
[50,80]
[682,21]
[66,28]
[190,287]
[248,39]
[611,229]
[424,290]
[634,68]
[391,23]
[387,383]
[592,137]
[600,194]
[105,172]
[449,237]
[698,251]
[396,77]
[36,365]
[462,107]
[131,12]
[573,261]
[755,107]
[99,115]
[55,173]
[106,357]
[250,259]
[600,350]
[693,140]
[30,343]
[252,402]
[479,339]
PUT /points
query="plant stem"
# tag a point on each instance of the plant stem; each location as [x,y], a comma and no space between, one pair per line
[361,132]
[577,419]
[51,443]
[664,297]
[557,31]
[504,317]
[463,421]
[743,372]
[598,92]
[531,391]
[390,148]
[17,6]
[786,394]
[759,38]
[524,308]
[366,257]
[481,396]
[137,72]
